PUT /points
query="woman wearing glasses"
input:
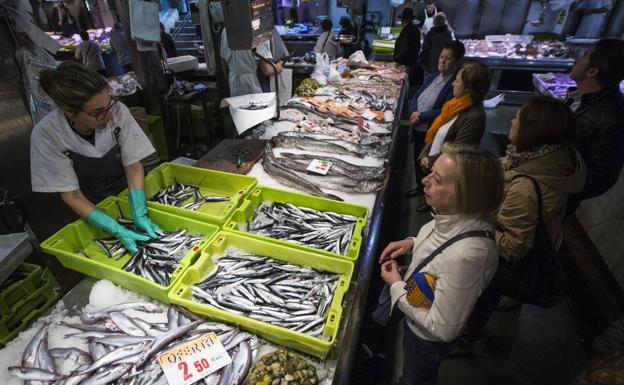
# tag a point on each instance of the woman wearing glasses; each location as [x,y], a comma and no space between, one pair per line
[89,148]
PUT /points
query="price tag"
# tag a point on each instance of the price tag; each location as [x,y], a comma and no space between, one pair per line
[319,166]
[194,360]
[369,115]
[385,30]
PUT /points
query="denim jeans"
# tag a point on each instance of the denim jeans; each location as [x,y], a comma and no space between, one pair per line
[422,359]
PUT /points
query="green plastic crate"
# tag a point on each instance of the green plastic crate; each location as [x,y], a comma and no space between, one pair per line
[245,213]
[30,307]
[19,290]
[80,235]
[181,293]
[209,182]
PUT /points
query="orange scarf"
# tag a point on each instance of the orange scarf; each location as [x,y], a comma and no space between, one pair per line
[449,110]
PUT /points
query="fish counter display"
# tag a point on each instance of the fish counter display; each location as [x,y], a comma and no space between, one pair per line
[119,335]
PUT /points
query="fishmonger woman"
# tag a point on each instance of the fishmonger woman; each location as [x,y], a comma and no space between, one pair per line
[89,148]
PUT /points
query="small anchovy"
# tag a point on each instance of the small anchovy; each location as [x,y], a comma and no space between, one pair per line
[323,230]
[185,196]
[275,302]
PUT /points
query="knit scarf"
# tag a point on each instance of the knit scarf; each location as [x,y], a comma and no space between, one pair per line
[449,110]
[513,158]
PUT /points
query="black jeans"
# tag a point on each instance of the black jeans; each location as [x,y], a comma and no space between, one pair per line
[422,359]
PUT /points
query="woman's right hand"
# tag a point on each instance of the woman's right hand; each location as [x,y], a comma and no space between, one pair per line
[424,163]
[394,249]
[414,117]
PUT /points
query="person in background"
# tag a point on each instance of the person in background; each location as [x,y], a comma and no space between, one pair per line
[326,43]
[88,148]
[89,53]
[436,90]
[346,27]
[303,12]
[600,117]
[437,298]
[120,46]
[425,19]
[407,46]
[66,21]
[595,14]
[167,43]
[244,68]
[538,149]
[461,119]
[437,37]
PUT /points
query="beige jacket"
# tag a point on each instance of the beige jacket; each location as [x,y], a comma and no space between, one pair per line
[461,273]
[558,174]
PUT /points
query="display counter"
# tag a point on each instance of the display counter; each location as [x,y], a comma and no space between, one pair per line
[101,35]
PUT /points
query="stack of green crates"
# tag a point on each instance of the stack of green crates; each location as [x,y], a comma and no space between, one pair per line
[24,301]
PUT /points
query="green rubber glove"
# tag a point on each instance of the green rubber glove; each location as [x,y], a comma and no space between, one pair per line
[127,237]
[139,213]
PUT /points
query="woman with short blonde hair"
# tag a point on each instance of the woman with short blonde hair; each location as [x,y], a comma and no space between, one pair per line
[453,258]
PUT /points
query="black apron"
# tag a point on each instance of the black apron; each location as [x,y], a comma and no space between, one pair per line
[100,177]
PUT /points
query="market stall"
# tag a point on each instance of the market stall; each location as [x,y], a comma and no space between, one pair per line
[212,221]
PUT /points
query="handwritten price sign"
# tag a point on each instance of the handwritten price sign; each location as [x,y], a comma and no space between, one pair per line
[194,360]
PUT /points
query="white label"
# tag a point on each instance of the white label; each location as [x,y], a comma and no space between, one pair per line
[255,24]
[385,30]
[194,360]
[319,166]
[368,115]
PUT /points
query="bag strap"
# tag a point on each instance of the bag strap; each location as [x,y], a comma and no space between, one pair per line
[540,205]
[468,234]
[325,42]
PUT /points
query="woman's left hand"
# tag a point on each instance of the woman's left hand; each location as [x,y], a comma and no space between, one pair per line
[390,272]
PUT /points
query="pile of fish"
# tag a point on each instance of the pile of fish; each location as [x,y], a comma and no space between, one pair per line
[158,258]
[123,349]
[185,196]
[324,230]
[291,171]
[294,297]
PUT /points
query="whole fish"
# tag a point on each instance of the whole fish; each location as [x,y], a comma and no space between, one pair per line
[108,376]
[309,144]
[288,178]
[34,374]
[268,303]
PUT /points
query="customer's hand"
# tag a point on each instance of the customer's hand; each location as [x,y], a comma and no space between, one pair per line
[424,163]
[394,249]
[415,117]
[279,67]
[390,272]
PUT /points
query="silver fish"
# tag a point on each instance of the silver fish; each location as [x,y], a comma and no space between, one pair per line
[34,374]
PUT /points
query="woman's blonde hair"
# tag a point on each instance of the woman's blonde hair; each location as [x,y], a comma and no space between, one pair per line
[479,179]
[71,84]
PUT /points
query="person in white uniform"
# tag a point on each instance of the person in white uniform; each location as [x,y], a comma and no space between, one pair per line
[595,14]
[89,148]
[425,19]
[326,43]
[244,68]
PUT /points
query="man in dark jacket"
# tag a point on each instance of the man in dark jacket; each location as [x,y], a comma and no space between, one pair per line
[407,46]
[600,117]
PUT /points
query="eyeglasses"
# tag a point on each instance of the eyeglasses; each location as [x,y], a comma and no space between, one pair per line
[100,113]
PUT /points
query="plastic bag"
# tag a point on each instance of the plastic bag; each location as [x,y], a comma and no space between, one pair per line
[332,75]
[322,64]
[358,57]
